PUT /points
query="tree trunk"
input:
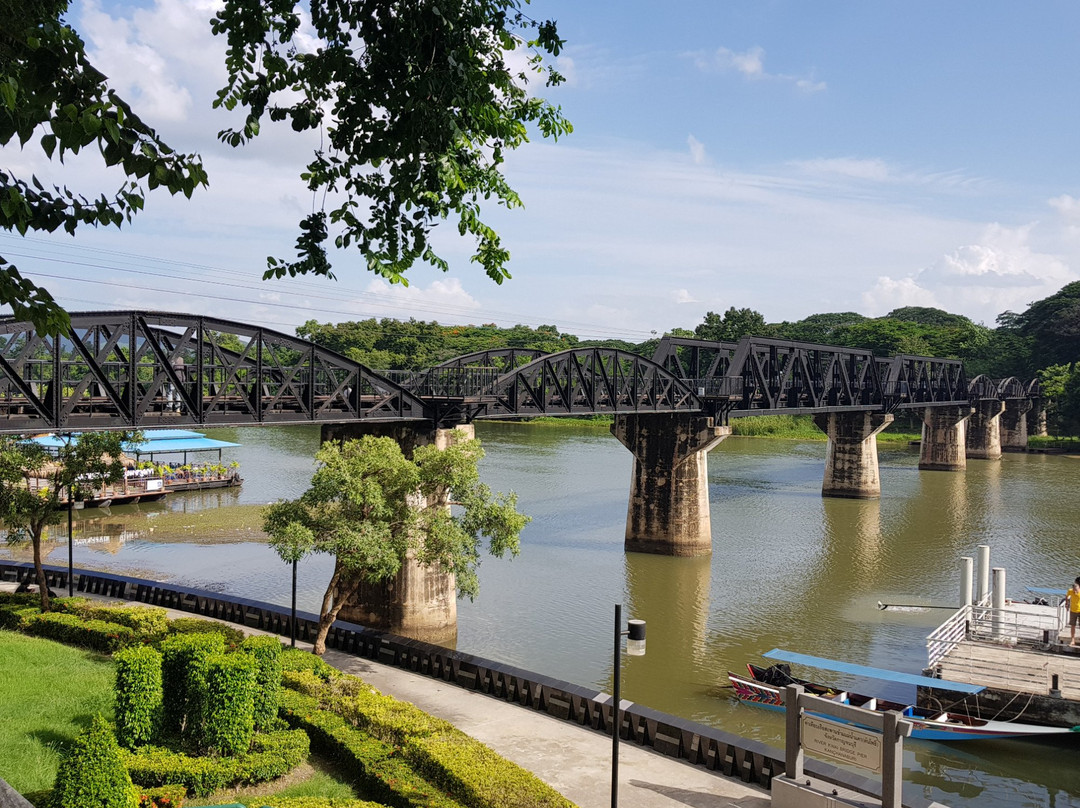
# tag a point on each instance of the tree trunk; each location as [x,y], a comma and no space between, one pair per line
[328,614]
[43,587]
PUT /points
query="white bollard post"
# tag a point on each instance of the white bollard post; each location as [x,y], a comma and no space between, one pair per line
[966,566]
[999,602]
[982,573]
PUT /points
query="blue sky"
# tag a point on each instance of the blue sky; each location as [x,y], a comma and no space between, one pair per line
[790,157]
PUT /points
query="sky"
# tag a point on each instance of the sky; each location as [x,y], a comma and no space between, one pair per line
[794,158]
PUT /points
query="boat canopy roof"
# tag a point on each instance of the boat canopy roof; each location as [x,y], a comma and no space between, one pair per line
[1042,590]
[155,441]
[873,673]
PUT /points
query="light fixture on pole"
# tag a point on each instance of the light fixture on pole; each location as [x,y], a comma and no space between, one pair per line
[635,646]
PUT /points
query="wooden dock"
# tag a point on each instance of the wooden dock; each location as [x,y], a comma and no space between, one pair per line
[1019,654]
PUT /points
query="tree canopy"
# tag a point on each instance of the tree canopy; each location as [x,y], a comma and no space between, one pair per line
[419,103]
[372,508]
[51,94]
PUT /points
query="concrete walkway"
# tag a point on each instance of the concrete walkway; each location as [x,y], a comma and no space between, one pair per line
[574,760]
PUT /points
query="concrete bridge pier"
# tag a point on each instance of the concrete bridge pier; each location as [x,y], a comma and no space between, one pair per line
[1014,424]
[421,600]
[943,446]
[984,431]
[1036,421]
[668,512]
[851,461]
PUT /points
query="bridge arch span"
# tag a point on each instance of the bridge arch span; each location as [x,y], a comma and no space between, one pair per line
[134,369]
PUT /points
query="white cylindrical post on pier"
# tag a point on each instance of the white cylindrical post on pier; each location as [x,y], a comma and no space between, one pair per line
[966,566]
[999,600]
[982,573]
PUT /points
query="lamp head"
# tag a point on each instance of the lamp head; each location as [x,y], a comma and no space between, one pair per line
[635,638]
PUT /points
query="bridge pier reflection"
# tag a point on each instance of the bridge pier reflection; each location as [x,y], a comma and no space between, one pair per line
[668,513]
[851,461]
[421,600]
[944,438]
[984,430]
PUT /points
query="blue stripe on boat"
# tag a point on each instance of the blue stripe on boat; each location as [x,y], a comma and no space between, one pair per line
[873,673]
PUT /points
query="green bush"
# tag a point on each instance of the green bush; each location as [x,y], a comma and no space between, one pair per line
[317,802]
[147,621]
[266,651]
[230,704]
[13,616]
[294,659]
[19,599]
[96,635]
[272,755]
[442,754]
[92,773]
[381,771]
[197,625]
[138,695]
[183,673]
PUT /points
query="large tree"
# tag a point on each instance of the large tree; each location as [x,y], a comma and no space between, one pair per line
[36,483]
[371,508]
[51,95]
[417,102]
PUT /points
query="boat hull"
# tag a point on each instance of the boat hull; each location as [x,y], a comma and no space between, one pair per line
[926,726]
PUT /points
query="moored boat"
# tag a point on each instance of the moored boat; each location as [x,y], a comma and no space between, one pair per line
[764,687]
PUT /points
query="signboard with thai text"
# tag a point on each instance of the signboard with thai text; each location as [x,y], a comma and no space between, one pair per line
[842,742]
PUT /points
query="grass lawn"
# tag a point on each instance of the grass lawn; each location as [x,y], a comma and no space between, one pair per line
[50,693]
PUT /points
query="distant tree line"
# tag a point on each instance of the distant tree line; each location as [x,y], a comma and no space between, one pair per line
[1043,341]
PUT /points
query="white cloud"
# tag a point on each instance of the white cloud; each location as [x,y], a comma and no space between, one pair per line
[683,296]
[697,150]
[750,64]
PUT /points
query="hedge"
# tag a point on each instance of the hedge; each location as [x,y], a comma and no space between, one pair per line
[229,722]
[317,802]
[294,659]
[266,651]
[197,625]
[92,773]
[96,635]
[170,796]
[272,755]
[138,696]
[183,660]
[447,757]
[147,621]
[381,771]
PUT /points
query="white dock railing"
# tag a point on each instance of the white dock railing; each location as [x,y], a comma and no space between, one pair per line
[1007,626]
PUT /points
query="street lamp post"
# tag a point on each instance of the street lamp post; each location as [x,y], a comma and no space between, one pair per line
[71,546]
[292,619]
[635,646]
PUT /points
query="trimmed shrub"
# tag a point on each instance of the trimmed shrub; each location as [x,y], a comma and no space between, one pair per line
[230,704]
[13,616]
[196,625]
[183,675]
[170,796]
[476,775]
[20,599]
[92,773]
[294,659]
[96,635]
[381,771]
[266,651]
[272,755]
[147,621]
[138,695]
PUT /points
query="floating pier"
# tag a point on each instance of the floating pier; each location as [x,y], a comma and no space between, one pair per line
[1019,652]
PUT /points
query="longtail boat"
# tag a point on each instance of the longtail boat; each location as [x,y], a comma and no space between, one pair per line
[763,687]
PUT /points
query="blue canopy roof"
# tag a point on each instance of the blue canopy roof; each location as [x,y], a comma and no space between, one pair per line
[156,441]
[873,673]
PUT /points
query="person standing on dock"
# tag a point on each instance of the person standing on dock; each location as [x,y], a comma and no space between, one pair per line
[1072,597]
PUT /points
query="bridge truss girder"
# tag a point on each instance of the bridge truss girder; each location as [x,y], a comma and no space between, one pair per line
[136,369]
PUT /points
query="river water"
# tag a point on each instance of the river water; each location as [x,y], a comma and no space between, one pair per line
[789,569]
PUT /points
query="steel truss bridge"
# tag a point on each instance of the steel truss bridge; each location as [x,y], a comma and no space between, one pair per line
[138,369]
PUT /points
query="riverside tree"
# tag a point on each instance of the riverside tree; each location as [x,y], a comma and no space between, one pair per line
[34,485]
[416,102]
[372,508]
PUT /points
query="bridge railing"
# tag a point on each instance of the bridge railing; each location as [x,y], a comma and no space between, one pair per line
[445,382]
